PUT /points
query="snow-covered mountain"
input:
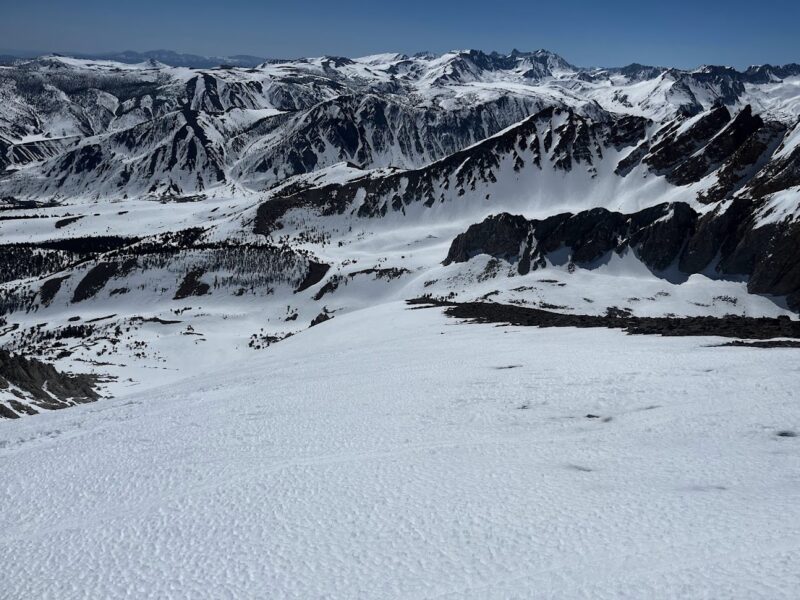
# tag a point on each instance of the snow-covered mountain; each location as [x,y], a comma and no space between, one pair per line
[466,325]
[178,59]
[158,219]
[147,128]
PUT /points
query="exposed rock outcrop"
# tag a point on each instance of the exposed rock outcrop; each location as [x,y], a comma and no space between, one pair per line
[192,285]
[728,242]
[731,326]
[28,384]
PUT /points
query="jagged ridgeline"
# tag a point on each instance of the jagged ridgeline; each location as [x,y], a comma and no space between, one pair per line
[156,220]
[99,129]
[743,223]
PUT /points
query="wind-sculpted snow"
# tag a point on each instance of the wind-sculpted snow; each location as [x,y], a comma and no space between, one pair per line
[214,270]
[400,453]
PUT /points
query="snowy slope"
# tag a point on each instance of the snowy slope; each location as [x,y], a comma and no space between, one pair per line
[395,453]
[157,219]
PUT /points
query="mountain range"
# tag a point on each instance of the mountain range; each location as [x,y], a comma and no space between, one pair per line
[161,213]
[167,57]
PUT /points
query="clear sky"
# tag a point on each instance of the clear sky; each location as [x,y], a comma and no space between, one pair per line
[681,33]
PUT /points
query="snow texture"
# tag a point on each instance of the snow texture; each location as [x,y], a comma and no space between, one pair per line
[396,453]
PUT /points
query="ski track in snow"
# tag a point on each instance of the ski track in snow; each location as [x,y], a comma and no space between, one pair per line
[396,453]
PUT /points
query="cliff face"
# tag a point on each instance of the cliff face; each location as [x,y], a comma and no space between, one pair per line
[28,385]
[669,239]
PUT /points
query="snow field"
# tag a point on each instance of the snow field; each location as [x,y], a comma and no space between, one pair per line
[398,453]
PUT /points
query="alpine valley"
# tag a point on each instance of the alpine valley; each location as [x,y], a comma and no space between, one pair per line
[470,325]
[157,220]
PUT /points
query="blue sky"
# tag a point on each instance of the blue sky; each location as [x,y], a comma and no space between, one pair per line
[681,33]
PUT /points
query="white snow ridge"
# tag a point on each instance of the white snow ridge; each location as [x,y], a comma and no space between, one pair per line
[466,325]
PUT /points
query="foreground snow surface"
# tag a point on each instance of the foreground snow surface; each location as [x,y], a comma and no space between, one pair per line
[398,453]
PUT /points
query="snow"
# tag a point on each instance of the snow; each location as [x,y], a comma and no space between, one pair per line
[115,218]
[790,143]
[388,452]
[780,99]
[450,84]
[396,453]
[383,59]
[779,207]
[783,205]
[416,242]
